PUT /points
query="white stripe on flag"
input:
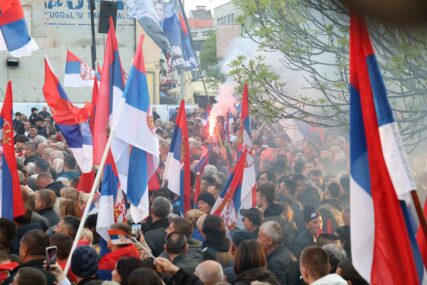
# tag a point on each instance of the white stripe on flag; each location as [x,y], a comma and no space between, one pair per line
[76,81]
[84,157]
[363,229]
[396,160]
[141,211]
[26,50]
[174,174]
[105,215]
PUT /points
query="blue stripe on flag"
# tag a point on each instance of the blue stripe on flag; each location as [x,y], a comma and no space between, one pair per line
[237,199]
[7,195]
[110,182]
[15,34]
[358,150]
[247,125]
[414,245]
[176,143]
[72,134]
[62,93]
[137,177]
[135,86]
[382,107]
[72,67]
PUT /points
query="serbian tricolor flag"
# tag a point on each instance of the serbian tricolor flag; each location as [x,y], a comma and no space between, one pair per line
[248,194]
[144,156]
[14,35]
[383,252]
[10,196]
[78,73]
[109,98]
[71,121]
[177,170]
[228,204]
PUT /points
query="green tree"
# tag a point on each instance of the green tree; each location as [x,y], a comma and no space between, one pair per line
[312,37]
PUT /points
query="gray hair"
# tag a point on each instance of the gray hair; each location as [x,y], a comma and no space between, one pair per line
[161,207]
[273,230]
[209,272]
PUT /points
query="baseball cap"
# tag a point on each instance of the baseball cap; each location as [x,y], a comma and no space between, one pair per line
[310,214]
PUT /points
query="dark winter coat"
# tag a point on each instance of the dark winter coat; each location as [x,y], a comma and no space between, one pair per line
[302,240]
[284,265]
[155,236]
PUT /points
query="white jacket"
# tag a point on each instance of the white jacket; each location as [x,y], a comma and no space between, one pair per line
[330,279]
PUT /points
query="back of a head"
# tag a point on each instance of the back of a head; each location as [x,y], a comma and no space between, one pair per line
[36,242]
[273,230]
[250,255]
[8,231]
[176,243]
[346,270]
[125,265]
[213,225]
[193,215]
[63,243]
[72,223]
[48,197]
[69,161]
[30,276]
[42,165]
[315,261]
[336,254]
[334,190]
[183,226]
[209,272]
[70,193]
[161,207]
[266,190]
[144,276]
[122,226]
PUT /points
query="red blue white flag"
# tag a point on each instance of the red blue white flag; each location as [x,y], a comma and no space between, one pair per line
[78,73]
[11,202]
[72,121]
[382,252]
[14,35]
[135,126]
[248,193]
[177,170]
[229,201]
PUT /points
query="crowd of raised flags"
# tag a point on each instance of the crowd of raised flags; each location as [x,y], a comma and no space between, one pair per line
[117,132]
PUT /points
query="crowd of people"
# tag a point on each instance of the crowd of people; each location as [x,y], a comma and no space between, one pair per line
[299,232]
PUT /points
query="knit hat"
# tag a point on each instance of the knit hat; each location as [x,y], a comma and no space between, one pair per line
[253,214]
[310,214]
[84,262]
[208,198]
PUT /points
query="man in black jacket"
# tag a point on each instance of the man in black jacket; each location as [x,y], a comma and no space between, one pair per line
[155,234]
[32,254]
[313,227]
[281,262]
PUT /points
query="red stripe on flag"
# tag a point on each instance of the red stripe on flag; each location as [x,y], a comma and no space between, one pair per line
[9,153]
[393,262]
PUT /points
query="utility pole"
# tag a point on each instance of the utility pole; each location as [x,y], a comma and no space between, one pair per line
[92,26]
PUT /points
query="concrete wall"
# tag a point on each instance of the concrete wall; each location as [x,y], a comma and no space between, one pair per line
[57,25]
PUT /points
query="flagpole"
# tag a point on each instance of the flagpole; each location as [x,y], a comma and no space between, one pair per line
[192,45]
[92,26]
[420,212]
[89,201]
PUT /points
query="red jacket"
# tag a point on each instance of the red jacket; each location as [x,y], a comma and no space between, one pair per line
[108,261]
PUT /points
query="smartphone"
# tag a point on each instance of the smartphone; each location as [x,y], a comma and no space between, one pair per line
[51,253]
[136,228]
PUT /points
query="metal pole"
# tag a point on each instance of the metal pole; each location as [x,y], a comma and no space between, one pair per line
[92,26]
